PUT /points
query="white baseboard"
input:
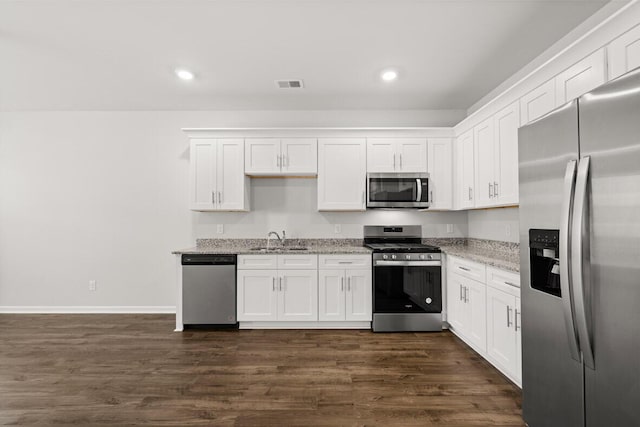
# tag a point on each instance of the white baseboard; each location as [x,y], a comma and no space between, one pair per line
[306,325]
[97,309]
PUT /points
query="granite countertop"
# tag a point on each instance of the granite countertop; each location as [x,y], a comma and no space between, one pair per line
[502,255]
[244,246]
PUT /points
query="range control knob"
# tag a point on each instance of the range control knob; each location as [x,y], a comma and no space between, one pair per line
[421,256]
[407,256]
[430,256]
[393,257]
[385,256]
[428,300]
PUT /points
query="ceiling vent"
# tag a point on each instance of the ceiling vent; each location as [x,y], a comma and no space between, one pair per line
[290,84]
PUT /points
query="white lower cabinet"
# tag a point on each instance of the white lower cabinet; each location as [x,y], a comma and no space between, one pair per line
[344,295]
[486,314]
[277,294]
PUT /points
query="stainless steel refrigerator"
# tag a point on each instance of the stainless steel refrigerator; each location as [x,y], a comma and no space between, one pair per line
[580,260]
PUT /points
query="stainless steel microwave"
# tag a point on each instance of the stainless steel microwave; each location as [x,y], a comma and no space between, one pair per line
[398,190]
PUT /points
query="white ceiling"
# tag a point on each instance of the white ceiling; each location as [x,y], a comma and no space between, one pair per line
[120,54]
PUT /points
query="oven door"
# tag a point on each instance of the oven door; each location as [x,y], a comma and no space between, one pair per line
[407,287]
[397,190]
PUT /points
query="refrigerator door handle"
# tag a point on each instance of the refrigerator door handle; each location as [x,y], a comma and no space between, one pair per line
[565,268]
[580,261]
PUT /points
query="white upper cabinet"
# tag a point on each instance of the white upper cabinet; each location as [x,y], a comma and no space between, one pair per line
[440,168]
[342,171]
[581,77]
[396,155]
[216,176]
[538,102]
[624,53]
[465,175]
[506,123]
[483,139]
[286,156]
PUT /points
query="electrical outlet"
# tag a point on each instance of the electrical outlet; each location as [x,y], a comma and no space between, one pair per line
[449,228]
[220,229]
[507,230]
[92,285]
[337,229]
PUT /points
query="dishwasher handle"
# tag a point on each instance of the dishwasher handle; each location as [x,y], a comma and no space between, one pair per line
[208,259]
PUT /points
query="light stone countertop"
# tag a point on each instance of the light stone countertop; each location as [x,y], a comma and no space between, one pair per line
[503,255]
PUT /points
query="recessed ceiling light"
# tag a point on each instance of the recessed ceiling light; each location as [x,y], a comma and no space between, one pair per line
[389,75]
[184,74]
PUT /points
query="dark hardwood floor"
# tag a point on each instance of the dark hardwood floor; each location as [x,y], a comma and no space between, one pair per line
[134,370]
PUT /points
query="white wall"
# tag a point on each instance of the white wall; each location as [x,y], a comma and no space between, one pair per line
[494,224]
[103,196]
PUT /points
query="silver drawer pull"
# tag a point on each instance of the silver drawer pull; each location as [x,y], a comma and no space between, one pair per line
[511,284]
[464,268]
[345,262]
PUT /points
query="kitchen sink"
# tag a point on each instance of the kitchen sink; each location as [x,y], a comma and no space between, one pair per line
[280,249]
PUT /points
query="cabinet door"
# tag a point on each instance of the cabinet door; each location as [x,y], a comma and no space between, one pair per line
[506,155]
[518,327]
[476,305]
[484,162]
[624,53]
[455,303]
[299,156]
[262,156]
[231,181]
[358,297]
[538,102]
[298,295]
[341,174]
[202,174]
[381,155]
[581,77]
[440,162]
[465,171]
[411,154]
[331,295]
[257,295]
[501,333]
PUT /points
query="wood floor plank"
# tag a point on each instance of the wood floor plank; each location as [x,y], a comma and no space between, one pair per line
[113,370]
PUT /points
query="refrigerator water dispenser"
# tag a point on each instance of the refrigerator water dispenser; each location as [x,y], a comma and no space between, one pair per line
[545,265]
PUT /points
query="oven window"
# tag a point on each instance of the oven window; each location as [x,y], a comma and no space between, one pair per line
[393,190]
[406,289]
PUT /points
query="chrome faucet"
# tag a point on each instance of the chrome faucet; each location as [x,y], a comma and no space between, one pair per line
[282,240]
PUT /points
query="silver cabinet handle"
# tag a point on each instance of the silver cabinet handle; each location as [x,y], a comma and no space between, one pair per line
[495,189]
[461,298]
[510,284]
[280,283]
[580,255]
[466,294]
[213,197]
[394,160]
[517,327]
[490,190]
[508,316]
[342,283]
[464,268]
[469,193]
[273,284]
[349,283]
[431,196]
[220,197]
[565,279]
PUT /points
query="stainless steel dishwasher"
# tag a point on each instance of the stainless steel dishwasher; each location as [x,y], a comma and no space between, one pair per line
[209,290]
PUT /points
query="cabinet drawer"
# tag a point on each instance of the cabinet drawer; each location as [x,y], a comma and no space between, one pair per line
[470,269]
[344,261]
[257,262]
[298,262]
[505,281]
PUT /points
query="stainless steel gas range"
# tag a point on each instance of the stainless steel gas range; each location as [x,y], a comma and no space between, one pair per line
[407,279]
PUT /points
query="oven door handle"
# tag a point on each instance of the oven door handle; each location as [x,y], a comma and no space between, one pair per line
[407,263]
[419,183]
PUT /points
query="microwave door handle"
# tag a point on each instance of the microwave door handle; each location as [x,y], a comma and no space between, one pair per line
[419,182]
